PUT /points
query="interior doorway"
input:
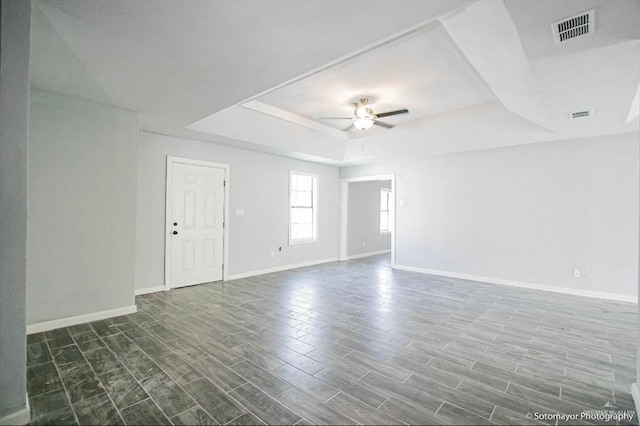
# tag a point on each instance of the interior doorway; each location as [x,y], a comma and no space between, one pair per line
[196,214]
[367,217]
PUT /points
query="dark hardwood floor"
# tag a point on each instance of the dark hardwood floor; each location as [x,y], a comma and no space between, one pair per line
[340,343]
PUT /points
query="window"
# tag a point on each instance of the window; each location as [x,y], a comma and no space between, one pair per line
[303,211]
[385,195]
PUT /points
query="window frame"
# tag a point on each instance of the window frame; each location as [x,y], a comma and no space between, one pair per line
[314,207]
[388,211]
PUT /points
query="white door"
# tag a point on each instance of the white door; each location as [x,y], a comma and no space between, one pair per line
[196,224]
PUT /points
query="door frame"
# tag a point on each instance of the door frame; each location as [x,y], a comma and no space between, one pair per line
[171,160]
[344,212]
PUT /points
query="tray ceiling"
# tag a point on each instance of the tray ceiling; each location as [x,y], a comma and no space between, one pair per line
[473,74]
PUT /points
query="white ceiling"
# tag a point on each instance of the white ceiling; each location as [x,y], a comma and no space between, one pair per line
[422,70]
[259,75]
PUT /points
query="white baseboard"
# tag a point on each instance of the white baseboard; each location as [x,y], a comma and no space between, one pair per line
[280,268]
[147,290]
[371,253]
[79,319]
[20,417]
[636,398]
[542,287]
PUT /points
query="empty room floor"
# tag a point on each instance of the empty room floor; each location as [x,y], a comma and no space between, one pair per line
[340,343]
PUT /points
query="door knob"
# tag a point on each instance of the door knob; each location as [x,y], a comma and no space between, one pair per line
[175,232]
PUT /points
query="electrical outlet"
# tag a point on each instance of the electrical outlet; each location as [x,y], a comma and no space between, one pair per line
[363,244]
[576,273]
[273,254]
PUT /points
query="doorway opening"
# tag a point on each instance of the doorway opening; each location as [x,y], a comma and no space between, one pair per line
[367,217]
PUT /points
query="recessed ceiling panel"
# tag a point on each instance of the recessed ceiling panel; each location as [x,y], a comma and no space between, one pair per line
[421,71]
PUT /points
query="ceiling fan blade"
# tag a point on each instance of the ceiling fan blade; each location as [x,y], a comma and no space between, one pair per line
[387,114]
[381,124]
[335,118]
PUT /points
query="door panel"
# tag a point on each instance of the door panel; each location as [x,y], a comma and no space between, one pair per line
[209,253]
[189,210]
[188,255]
[209,210]
[197,207]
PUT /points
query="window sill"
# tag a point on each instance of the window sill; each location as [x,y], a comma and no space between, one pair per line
[385,232]
[297,242]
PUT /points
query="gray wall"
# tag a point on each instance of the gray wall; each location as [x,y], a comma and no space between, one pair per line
[82,207]
[14,141]
[530,213]
[258,184]
[363,222]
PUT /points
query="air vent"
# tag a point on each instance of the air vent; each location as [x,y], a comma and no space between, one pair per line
[574,26]
[581,114]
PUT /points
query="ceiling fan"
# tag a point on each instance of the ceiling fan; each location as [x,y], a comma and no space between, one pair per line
[364,118]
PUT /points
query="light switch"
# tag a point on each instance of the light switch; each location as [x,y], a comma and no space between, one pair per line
[239,212]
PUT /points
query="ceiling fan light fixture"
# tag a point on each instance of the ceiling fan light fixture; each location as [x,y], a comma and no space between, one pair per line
[363,118]
[363,123]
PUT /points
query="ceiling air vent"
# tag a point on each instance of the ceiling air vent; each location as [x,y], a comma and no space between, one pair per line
[580,114]
[574,26]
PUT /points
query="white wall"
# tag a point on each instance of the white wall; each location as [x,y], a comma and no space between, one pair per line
[15,25]
[530,213]
[363,220]
[258,183]
[82,208]
[634,386]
